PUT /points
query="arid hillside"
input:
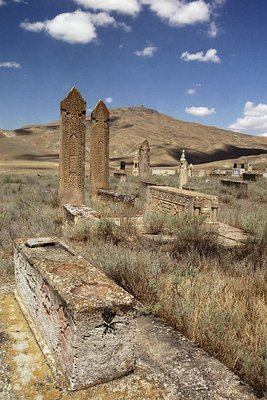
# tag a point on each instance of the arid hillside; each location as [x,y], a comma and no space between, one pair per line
[129,127]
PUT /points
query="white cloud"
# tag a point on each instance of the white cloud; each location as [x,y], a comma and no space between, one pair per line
[218,3]
[2,3]
[125,27]
[191,91]
[10,64]
[213,29]
[200,111]
[146,52]
[109,100]
[130,7]
[209,56]
[179,13]
[75,27]
[254,118]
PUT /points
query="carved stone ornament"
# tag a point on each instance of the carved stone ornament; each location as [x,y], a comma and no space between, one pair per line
[72,149]
[99,148]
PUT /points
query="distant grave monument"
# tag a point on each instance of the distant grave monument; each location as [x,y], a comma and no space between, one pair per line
[122,165]
[249,167]
[99,148]
[190,170]
[135,171]
[183,173]
[144,161]
[236,171]
[72,149]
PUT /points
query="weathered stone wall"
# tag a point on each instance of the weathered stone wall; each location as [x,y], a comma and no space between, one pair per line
[72,149]
[86,320]
[172,201]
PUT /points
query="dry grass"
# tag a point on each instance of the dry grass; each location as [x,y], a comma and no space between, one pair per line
[216,297]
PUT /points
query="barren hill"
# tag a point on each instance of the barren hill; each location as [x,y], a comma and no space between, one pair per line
[129,127]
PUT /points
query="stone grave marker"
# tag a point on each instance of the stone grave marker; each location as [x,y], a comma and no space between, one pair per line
[183,172]
[99,149]
[72,149]
[144,161]
[135,170]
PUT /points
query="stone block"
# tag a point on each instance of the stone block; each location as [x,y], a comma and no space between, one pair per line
[117,197]
[72,214]
[251,176]
[240,185]
[85,319]
[172,201]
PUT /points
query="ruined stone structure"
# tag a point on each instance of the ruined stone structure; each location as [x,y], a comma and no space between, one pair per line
[72,149]
[249,167]
[85,319]
[135,170]
[99,149]
[172,201]
[183,172]
[144,161]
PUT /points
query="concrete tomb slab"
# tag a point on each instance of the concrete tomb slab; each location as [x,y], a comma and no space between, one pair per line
[173,201]
[85,319]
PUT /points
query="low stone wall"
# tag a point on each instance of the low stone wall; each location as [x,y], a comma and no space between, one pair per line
[117,197]
[85,319]
[172,201]
[74,213]
[240,185]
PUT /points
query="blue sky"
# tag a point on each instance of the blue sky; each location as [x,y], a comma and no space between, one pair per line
[203,61]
